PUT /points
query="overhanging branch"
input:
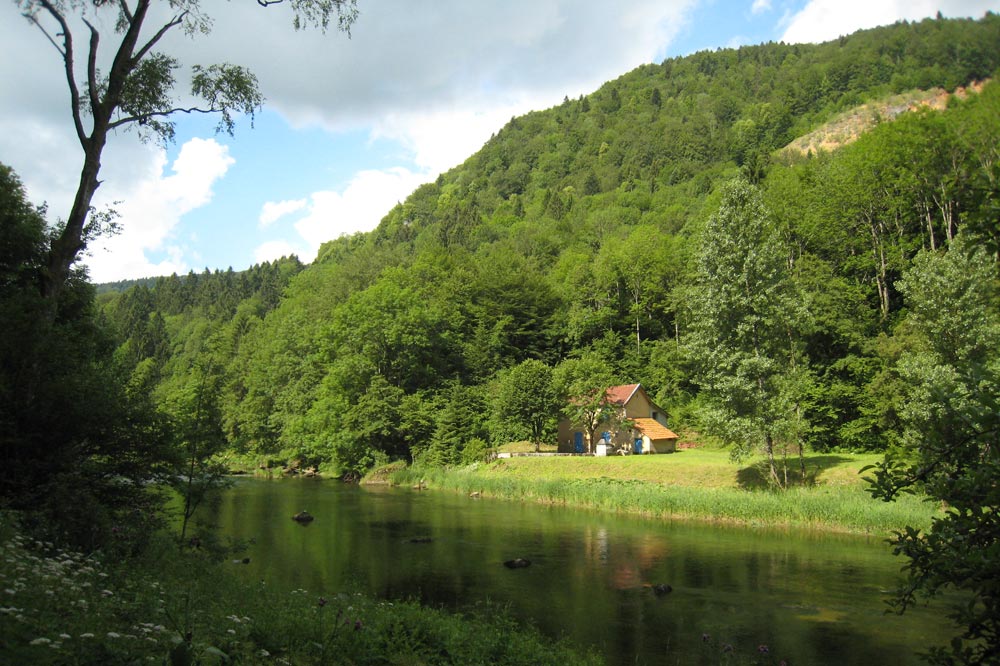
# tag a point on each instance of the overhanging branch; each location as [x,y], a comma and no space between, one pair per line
[140,119]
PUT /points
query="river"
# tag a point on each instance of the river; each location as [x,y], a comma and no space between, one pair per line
[804,597]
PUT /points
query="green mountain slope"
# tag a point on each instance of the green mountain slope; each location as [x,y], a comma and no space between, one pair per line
[573,237]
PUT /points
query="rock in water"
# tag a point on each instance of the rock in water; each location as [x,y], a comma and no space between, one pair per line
[517,563]
[303,517]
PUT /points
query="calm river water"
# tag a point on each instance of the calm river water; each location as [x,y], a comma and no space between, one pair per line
[810,598]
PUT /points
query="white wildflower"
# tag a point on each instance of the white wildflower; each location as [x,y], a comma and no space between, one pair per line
[87,635]
[114,634]
[40,641]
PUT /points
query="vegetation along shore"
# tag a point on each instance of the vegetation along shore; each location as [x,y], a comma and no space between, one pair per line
[792,250]
[693,484]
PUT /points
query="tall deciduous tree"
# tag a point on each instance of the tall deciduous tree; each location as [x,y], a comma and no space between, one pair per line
[951,417]
[525,401]
[137,90]
[742,333]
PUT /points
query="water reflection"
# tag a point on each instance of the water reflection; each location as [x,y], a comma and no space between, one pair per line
[811,598]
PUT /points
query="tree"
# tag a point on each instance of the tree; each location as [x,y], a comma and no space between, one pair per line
[951,416]
[582,385]
[78,447]
[137,90]
[742,337]
[525,402]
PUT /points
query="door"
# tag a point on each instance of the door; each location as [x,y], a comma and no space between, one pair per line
[638,444]
[578,442]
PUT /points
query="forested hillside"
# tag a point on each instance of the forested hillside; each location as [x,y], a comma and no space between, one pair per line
[652,231]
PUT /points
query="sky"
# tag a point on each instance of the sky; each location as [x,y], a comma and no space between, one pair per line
[351,125]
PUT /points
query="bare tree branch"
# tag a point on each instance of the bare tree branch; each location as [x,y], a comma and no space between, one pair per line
[174,22]
[67,54]
[147,116]
[126,12]
[93,85]
[45,32]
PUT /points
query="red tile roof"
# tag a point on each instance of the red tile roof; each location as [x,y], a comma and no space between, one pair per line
[620,395]
[654,429]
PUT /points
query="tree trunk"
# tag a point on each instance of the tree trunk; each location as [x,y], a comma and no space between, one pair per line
[66,247]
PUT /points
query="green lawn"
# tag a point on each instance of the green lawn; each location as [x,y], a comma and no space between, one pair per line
[699,467]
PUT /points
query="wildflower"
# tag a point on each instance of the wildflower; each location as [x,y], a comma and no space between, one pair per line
[40,641]
[264,653]
[87,635]
[727,647]
[231,631]
[107,593]
[65,636]
[322,602]
[357,625]
[762,649]
[705,638]
[113,634]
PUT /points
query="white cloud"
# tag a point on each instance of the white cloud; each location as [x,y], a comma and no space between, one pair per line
[760,6]
[360,207]
[450,73]
[823,20]
[272,250]
[272,211]
[152,207]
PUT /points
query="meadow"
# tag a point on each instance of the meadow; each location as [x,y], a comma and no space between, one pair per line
[691,484]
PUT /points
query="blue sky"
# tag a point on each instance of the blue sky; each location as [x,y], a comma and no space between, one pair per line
[351,126]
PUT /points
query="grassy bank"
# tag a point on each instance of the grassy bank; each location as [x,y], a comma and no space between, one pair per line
[694,484]
[59,607]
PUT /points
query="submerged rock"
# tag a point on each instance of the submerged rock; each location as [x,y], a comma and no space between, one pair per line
[303,517]
[517,563]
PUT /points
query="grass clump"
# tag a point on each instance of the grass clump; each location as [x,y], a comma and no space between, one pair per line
[61,607]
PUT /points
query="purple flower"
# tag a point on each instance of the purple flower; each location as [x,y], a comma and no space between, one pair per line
[705,638]
[357,625]
[762,649]
[322,602]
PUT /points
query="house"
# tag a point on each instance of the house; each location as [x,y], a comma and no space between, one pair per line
[626,421]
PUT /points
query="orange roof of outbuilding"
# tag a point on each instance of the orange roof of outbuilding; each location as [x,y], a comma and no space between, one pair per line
[654,429]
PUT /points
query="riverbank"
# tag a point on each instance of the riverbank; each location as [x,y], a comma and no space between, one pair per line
[168,607]
[694,484]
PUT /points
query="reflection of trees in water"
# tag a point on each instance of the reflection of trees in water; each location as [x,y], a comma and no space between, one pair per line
[590,576]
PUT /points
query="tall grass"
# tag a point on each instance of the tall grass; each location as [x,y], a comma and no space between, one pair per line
[830,507]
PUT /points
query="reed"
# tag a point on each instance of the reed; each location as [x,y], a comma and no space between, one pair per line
[705,487]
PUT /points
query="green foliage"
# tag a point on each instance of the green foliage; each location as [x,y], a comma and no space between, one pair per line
[744,329]
[951,419]
[78,446]
[573,236]
[525,403]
